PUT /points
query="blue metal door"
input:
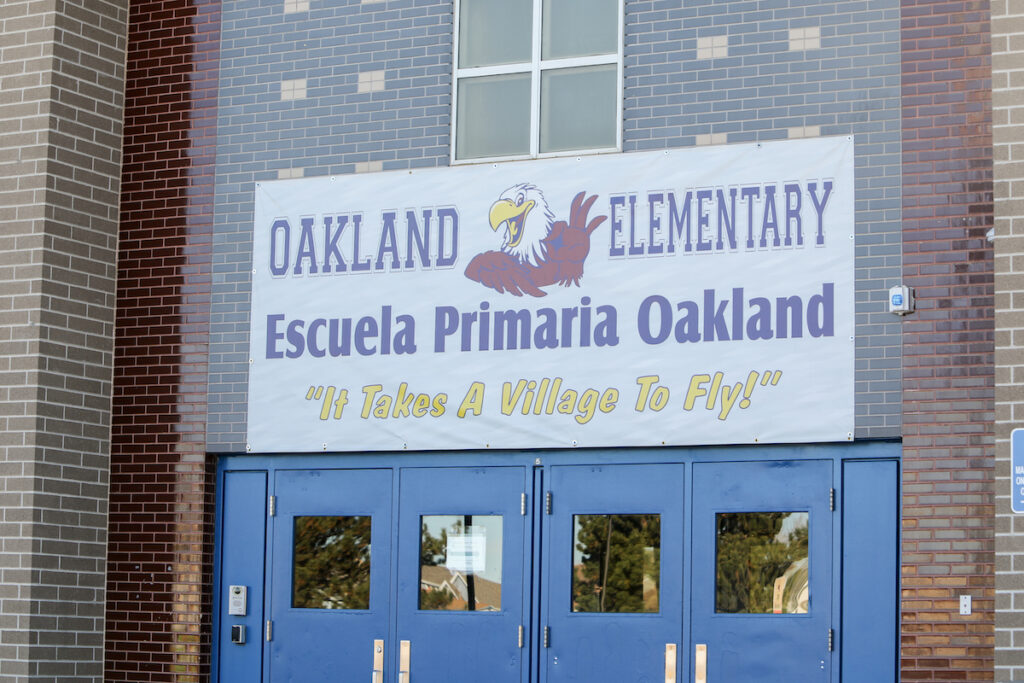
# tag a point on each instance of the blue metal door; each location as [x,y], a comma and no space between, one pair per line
[613,571]
[462,558]
[331,537]
[600,573]
[241,554]
[762,572]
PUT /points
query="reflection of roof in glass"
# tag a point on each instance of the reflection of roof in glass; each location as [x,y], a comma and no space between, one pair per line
[487,593]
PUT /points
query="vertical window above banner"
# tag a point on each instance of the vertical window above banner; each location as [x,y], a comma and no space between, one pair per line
[536,78]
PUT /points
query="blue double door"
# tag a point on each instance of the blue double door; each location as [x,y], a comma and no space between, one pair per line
[617,573]
[399,575]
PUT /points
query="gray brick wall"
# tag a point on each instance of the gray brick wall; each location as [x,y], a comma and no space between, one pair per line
[792,68]
[61,75]
[333,128]
[1008,143]
[699,72]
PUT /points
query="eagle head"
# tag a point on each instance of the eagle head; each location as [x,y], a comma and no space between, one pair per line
[526,218]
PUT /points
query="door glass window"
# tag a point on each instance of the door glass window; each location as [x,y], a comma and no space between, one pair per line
[761,563]
[460,562]
[331,562]
[616,563]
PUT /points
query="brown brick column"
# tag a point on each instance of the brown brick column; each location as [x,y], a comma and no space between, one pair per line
[161,511]
[948,399]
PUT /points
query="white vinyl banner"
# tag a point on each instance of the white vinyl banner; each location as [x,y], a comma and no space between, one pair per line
[697,296]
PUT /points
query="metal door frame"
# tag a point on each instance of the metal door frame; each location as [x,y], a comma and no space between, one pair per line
[538,460]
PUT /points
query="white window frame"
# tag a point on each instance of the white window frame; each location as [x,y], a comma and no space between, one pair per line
[535,68]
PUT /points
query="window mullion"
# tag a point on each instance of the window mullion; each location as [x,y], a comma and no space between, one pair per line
[538,12]
[621,94]
[496,70]
[455,85]
[589,60]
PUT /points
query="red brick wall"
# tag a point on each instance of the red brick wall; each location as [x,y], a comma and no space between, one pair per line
[161,489]
[948,344]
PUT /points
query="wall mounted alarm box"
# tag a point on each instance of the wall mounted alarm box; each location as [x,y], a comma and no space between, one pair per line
[901,300]
[236,601]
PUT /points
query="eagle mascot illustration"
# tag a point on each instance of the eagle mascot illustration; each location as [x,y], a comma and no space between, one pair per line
[536,250]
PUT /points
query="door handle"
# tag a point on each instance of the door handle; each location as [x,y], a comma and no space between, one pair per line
[378,661]
[403,662]
[700,664]
[670,662]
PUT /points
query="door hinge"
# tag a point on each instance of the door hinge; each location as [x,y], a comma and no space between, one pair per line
[547,636]
[522,505]
[520,636]
[547,502]
[270,630]
[831,499]
[272,506]
[831,633]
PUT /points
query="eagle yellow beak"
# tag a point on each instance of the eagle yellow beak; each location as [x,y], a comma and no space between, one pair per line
[505,210]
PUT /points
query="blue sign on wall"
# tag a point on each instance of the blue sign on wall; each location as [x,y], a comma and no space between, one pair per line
[1017,470]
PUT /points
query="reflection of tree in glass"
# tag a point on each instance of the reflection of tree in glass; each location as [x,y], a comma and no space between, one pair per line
[332,562]
[433,550]
[620,563]
[435,599]
[753,551]
[433,553]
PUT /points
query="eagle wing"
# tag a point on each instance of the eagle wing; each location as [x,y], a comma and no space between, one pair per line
[503,272]
[568,244]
